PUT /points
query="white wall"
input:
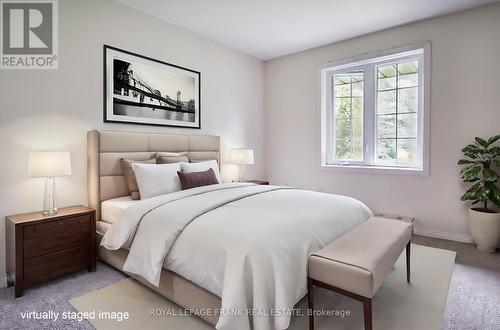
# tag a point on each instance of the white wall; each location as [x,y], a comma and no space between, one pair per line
[465,102]
[42,110]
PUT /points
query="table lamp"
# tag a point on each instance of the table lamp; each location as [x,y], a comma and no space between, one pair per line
[241,157]
[49,164]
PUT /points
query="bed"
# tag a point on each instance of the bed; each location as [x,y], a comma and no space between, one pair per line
[246,243]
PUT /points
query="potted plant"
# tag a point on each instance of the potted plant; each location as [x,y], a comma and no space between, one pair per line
[484,221]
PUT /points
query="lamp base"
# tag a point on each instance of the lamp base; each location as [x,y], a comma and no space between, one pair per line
[241,174]
[47,213]
[49,204]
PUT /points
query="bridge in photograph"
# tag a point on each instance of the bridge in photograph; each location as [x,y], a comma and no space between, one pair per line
[128,82]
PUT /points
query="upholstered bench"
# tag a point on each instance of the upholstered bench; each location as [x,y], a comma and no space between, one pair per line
[357,263]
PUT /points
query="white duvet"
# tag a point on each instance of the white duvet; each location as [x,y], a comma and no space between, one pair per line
[245,243]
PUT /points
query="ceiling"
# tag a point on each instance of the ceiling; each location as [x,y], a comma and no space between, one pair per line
[267,29]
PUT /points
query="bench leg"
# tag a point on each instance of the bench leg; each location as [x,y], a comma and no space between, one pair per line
[367,311]
[408,262]
[367,302]
[310,301]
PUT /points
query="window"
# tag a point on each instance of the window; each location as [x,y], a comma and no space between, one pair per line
[375,111]
[348,107]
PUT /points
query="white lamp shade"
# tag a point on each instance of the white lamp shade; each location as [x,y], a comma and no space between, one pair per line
[49,164]
[242,157]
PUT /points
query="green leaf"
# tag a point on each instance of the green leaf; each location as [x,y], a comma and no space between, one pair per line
[495,194]
[465,161]
[470,147]
[485,192]
[493,139]
[471,175]
[472,193]
[466,196]
[471,151]
[465,169]
[476,188]
[481,142]
[495,151]
[489,175]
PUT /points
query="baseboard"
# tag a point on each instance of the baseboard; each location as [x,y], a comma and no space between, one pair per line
[443,235]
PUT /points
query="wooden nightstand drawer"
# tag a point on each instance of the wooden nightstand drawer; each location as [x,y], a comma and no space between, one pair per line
[43,247]
[56,227]
[44,267]
[48,244]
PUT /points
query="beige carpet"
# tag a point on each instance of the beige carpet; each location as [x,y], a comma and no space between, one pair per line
[396,305]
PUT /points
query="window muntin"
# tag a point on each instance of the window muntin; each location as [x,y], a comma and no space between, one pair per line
[348,115]
[390,119]
[397,114]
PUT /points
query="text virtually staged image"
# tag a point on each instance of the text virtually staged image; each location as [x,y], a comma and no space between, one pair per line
[241,165]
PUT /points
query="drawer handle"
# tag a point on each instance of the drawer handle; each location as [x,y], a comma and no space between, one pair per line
[60,222]
[82,221]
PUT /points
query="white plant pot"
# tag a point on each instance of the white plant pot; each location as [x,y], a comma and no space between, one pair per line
[485,229]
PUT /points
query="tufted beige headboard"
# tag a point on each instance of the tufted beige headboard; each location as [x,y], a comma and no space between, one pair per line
[105,149]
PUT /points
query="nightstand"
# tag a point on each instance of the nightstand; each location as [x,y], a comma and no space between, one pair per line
[43,247]
[262,182]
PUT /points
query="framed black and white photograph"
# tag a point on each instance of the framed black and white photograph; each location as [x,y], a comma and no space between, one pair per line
[142,90]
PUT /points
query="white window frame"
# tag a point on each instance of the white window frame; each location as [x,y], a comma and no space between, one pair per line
[418,51]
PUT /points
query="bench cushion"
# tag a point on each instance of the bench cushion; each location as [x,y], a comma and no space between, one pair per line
[359,260]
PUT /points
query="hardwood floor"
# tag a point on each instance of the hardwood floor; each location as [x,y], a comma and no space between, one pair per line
[467,254]
[474,296]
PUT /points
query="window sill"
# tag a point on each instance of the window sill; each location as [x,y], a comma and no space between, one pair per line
[378,169]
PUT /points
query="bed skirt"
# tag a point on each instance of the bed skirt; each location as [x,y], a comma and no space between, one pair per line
[172,286]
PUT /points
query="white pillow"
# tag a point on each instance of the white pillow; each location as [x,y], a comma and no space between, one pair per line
[156,179]
[201,167]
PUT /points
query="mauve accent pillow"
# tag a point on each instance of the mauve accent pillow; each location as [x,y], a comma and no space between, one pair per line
[171,157]
[128,172]
[197,179]
[202,166]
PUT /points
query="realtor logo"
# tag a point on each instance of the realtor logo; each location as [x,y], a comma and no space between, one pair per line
[29,34]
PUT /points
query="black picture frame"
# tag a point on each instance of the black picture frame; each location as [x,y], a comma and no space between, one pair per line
[112,104]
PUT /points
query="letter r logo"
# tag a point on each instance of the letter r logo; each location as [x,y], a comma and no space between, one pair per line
[27,27]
